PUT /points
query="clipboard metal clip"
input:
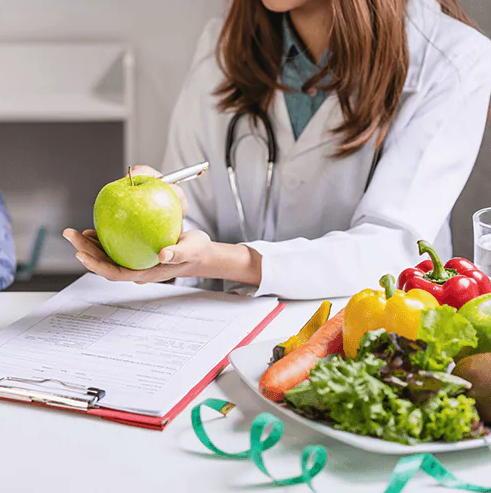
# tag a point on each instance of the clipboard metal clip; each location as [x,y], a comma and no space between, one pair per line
[65,398]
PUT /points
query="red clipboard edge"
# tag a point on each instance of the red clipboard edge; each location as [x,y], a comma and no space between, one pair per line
[198,388]
[159,423]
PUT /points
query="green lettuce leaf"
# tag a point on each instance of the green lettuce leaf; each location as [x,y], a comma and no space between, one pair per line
[451,384]
[351,394]
[446,333]
[396,389]
[450,418]
[393,349]
[370,341]
[305,400]
[400,371]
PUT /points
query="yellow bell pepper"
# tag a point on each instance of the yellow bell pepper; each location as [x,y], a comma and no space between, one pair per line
[394,310]
[318,319]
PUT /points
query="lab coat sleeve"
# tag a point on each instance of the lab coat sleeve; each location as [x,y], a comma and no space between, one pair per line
[7,249]
[186,139]
[425,165]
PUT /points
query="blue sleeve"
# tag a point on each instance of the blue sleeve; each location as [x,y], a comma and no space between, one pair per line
[7,249]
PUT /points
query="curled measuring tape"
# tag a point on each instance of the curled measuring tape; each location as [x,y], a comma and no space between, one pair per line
[314,457]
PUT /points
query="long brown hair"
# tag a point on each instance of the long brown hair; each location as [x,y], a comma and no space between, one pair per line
[369,60]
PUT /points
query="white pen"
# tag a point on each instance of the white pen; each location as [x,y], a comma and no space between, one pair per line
[186,174]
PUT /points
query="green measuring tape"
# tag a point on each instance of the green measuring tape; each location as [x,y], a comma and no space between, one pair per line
[313,454]
[407,467]
[314,457]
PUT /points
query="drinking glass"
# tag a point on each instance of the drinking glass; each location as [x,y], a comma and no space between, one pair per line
[482,240]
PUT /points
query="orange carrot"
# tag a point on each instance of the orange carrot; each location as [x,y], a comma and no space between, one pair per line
[295,367]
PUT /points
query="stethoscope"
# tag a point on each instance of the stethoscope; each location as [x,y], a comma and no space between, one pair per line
[270,141]
[230,146]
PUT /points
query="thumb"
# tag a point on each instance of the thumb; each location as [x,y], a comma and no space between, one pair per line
[168,256]
[188,249]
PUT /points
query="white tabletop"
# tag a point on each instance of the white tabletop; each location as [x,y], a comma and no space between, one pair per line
[60,452]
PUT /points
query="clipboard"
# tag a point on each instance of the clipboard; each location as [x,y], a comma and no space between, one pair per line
[89,400]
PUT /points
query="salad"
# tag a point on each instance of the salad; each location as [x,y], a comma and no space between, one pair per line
[395,389]
[396,365]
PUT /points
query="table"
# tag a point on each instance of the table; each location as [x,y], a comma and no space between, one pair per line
[45,450]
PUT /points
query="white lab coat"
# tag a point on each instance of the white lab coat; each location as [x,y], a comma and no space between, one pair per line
[331,239]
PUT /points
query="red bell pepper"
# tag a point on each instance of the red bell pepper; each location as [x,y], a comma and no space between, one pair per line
[454,284]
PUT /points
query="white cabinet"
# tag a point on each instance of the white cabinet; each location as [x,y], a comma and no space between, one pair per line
[70,83]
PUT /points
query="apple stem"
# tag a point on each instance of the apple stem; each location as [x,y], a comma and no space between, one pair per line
[131,178]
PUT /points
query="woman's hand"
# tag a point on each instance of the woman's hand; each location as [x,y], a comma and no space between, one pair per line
[185,259]
[148,171]
[195,255]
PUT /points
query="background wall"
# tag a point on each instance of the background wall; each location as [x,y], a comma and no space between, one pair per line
[164,33]
[477,193]
[51,173]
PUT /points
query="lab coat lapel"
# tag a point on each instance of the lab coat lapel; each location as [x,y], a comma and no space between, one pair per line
[423,20]
[318,131]
[280,119]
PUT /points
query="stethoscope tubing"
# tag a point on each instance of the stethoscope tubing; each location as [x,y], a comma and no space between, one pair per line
[271,165]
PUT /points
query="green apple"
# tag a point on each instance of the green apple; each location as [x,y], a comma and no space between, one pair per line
[135,218]
[478,312]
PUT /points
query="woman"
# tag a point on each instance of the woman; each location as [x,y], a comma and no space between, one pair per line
[7,249]
[338,80]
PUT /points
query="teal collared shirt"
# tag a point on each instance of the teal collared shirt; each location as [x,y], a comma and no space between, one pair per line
[297,69]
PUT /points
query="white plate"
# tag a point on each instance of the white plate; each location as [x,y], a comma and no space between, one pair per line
[251,361]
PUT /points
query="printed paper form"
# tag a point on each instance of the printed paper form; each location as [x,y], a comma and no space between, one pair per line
[146,346]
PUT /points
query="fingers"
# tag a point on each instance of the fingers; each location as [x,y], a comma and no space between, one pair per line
[141,169]
[95,260]
[189,249]
[91,235]
[113,272]
[159,273]
[182,197]
[105,269]
[83,244]
[95,243]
